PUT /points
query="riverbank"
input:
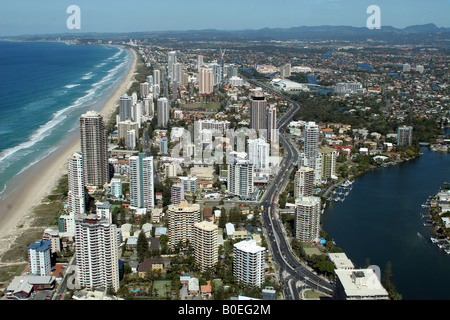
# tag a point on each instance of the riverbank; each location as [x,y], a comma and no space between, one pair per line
[17,211]
[381,221]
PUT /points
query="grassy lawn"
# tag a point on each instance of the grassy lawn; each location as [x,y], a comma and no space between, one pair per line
[309,294]
[9,272]
[312,250]
[159,287]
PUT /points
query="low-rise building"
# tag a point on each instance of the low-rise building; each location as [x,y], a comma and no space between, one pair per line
[150,265]
[340,261]
[358,284]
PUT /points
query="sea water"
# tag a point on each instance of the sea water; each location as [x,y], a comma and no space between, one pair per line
[45,87]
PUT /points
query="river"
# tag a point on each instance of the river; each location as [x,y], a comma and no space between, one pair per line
[380,220]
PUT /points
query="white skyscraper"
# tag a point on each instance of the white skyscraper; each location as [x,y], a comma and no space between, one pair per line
[205,243]
[272,131]
[304,182]
[130,140]
[181,219]
[116,187]
[240,178]
[178,73]
[144,89]
[96,252]
[76,194]
[125,105]
[199,62]
[156,77]
[258,153]
[248,262]
[141,182]
[171,60]
[163,112]
[149,107]
[94,148]
[404,135]
[205,80]
[39,257]
[311,145]
[307,221]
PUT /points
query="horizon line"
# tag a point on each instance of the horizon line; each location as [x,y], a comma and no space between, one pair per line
[78,32]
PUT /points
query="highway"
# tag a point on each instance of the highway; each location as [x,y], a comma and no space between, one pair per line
[294,274]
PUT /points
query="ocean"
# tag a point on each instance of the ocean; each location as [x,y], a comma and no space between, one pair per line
[45,87]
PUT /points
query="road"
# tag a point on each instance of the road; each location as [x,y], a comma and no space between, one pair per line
[294,274]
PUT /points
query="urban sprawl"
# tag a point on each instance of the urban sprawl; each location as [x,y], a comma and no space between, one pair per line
[210,180]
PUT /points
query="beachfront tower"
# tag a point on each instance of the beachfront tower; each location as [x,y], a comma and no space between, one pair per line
[39,257]
[77,193]
[125,104]
[94,148]
[96,251]
[141,182]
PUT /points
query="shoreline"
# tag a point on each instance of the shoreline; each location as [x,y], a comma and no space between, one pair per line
[41,178]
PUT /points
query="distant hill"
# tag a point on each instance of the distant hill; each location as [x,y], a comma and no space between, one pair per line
[416,33]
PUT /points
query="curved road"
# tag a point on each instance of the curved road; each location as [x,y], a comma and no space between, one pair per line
[295,275]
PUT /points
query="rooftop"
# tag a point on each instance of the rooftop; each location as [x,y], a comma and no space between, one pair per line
[249,246]
[362,283]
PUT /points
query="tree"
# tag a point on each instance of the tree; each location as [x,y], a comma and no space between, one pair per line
[235,215]
[142,247]
[388,285]
[223,218]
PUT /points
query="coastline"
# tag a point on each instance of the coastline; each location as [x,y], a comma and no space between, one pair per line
[41,178]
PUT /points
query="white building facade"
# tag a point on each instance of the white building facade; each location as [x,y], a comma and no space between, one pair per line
[248,262]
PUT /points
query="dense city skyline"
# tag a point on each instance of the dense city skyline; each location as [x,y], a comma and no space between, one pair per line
[230,152]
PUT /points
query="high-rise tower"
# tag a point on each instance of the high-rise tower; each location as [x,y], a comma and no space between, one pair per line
[141,182]
[258,114]
[304,182]
[94,149]
[76,195]
[311,145]
[163,112]
[307,218]
[96,251]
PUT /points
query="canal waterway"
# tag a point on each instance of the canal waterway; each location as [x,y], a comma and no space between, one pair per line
[380,221]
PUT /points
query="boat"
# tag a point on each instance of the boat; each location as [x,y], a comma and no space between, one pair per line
[434,240]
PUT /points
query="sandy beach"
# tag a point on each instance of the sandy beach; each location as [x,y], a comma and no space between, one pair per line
[17,208]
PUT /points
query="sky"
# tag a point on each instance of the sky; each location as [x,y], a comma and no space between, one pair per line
[50,16]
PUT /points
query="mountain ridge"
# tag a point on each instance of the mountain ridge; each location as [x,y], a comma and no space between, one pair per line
[423,32]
